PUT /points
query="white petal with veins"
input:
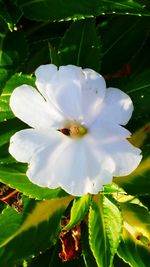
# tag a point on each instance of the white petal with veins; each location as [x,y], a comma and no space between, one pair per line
[81,168]
[44,74]
[117,107]
[65,90]
[125,155]
[29,106]
[24,144]
[42,166]
[93,93]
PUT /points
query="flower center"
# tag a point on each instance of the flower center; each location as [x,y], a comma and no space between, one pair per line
[74,130]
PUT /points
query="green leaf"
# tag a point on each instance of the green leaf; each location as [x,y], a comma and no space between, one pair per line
[138,217]
[143,57]
[7,129]
[15,81]
[105,226]
[119,262]
[138,182]
[13,50]
[86,251]
[4,74]
[48,9]
[54,57]
[145,200]
[138,87]
[10,12]
[122,38]
[14,176]
[112,188]
[3,12]
[39,54]
[14,219]
[38,230]
[140,137]
[81,46]
[135,245]
[79,210]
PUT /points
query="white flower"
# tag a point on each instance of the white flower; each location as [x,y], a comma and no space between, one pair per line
[76,141]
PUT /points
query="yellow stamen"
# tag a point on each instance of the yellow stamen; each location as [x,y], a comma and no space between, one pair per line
[74,130]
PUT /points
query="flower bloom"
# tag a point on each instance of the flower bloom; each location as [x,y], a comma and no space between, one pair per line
[77,140]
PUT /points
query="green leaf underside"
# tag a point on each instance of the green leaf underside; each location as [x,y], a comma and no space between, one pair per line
[48,9]
[105,225]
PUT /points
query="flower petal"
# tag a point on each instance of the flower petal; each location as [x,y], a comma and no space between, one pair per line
[117,106]
[107,133]
[83,172]
[112,140]
[24,144]
[76,93]
[125,155]
[43,164]
[68,165]
[29,106]
[64,91]
[44,74]
[92,95]
[78,165]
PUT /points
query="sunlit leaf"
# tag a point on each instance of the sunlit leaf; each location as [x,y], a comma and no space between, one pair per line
[41,221]
[14,219]
[79,210]
[139,137]
[135,245]
[138,182]
[105,226]
[14,175]
[4,74]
